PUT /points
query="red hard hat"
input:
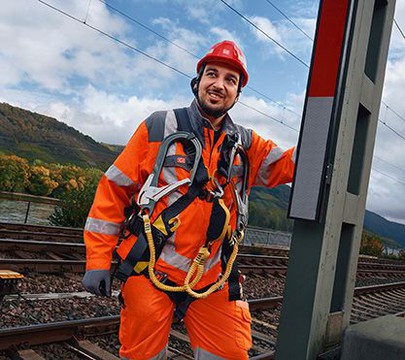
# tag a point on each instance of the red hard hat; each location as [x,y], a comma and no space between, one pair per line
[227,52]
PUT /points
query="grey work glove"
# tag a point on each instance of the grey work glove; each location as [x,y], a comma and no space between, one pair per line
[97,282]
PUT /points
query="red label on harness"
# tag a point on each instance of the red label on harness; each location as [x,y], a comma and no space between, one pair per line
[181,160]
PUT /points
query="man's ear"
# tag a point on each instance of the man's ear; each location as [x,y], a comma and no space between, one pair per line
[194,86]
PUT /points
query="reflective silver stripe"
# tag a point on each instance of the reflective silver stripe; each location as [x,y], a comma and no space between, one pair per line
[102,226]
[294,155]
[309,171]
[170,123]
[201,354]
[161,356]
[169,256]
[117,176]
[264,173]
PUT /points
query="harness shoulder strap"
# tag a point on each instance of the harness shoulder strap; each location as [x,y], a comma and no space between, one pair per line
[184,124]
[183,120]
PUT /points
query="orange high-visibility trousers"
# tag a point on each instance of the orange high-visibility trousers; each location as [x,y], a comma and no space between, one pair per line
[218,328]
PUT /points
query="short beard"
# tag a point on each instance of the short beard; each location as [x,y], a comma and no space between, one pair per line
[215,113]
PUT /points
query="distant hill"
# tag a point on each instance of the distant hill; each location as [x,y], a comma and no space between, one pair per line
[385,228]
[35,136]
[392,233]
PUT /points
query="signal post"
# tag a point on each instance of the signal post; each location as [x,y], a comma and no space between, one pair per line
[328,197]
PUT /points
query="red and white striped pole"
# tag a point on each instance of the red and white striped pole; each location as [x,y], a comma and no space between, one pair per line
[320,110]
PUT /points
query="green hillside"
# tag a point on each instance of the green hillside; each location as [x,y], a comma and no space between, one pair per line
[35,136]
[269,206]
[384,228]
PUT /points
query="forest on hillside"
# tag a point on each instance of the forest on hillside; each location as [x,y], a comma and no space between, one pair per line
[38,137]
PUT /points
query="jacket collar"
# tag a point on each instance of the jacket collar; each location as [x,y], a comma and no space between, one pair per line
[198,122]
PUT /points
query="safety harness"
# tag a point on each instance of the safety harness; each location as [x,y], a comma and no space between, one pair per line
[153,236]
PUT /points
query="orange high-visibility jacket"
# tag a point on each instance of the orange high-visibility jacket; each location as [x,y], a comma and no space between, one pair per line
[269,166]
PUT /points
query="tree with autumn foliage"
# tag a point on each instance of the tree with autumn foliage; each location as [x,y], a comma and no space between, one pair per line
[41,181]
[371,245]
[73,185]
[76,200]
[14,173]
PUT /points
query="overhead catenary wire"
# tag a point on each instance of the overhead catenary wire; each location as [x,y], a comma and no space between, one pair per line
[392,110]
[265,34]
[392,129]
[284,107]
[147,28]
[399,28]
[139,23]
[181,72]
[114,38]
[289,19]
[268,116]
[388,176]
[388,163]
[87,12]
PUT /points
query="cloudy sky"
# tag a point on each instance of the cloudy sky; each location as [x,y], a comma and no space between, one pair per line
[102,66]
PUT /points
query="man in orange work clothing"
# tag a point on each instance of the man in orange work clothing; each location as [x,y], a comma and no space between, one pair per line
[177,198]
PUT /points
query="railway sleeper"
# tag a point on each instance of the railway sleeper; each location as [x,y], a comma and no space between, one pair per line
[91,349]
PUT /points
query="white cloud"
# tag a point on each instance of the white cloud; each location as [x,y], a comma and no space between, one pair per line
[47,49]
[269,126]
[270,29]
[120,116]
[284,35]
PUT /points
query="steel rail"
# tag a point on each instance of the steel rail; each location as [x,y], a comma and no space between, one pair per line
[56,332]
[41,228]
[40,246]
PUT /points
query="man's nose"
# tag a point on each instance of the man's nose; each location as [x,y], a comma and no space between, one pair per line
[219,83]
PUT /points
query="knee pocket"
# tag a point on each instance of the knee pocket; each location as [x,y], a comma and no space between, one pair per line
[243,331]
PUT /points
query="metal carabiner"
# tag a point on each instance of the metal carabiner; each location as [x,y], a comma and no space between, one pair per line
[150,192]
[218,192]
[241,196]
[150,195]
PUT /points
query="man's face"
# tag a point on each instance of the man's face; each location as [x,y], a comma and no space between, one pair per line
[218,88]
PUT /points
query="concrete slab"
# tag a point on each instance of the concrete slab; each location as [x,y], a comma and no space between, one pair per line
[381,338]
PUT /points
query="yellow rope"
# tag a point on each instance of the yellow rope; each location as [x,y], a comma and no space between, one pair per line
[152,260]
[198,263]
[219,283]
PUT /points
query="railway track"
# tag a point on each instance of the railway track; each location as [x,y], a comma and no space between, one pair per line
[76,336]
[72,336]
[40,253]
[52,256]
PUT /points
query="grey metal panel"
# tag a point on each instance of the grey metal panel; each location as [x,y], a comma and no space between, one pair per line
[311,158]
